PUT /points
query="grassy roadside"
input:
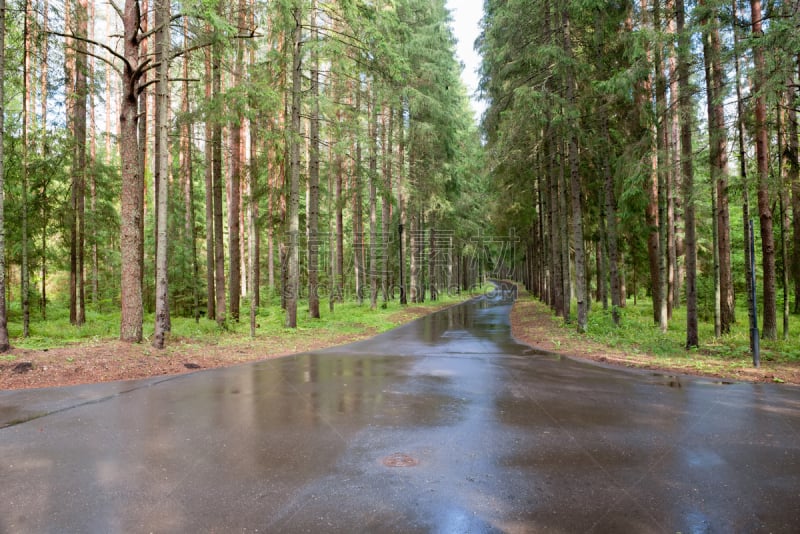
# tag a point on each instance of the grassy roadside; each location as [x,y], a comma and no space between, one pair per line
[61,354]
[639,343]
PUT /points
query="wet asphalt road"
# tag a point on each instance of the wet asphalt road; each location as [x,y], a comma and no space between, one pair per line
[506,439]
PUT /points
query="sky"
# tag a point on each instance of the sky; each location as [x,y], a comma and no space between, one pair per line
[466,16]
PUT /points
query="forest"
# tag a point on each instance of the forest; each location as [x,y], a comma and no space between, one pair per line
[644,142]
[195,159]
[206,159]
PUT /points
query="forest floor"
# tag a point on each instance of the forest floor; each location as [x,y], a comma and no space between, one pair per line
[532,323]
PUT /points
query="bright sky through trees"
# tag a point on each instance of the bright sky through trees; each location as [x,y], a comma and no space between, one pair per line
[466,28]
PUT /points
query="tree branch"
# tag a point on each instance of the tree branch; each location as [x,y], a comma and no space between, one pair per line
[95,43]
[114,5]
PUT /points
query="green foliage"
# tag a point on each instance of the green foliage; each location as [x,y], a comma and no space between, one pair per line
[638,333]
[348,318]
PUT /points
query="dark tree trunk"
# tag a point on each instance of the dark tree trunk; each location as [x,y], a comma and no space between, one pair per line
[581,289]
[794,180]
[386,205]
[313,177]
[216,164]
[4,342]
[642,105]
[373,198]
[292,286]
[162,322]
[687,174]
[770,323]
[740,127]
[132,183]
[662,159]
[611,232]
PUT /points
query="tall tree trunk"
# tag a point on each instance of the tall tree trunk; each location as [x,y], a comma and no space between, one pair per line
[563,230]
[581,289]
[26,104]
[783,199]
[217,177]
[253,252]
[69,96]
[44,102]
[401,202]
[313,175]
[162,19]
[234,208]
[554,216]
[211,306]
[142,133]
[358,215]
[740,127]
[387,138]
[642,108]
[132,181]
[687,175]
[339,202]
[794,180]
[770,323]
[81,96]
[433,275]
[718,159]
[373,198]
[674,238]
[293,267]
[413,252]
[187,171]
[95,276]
[662,159]
[611,231]
[4,342]
[253,233]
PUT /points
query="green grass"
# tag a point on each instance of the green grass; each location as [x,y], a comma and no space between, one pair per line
[638,333]
[347,317]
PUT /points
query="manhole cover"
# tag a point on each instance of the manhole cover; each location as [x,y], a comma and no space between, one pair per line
[400,459]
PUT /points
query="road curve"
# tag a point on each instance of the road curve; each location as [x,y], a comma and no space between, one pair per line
[443,425]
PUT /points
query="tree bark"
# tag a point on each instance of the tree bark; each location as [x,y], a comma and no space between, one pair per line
[187,128]
[563,231]
[770,324]
[217,177]
[142,133]
[313,176]
[581,289]
[373,198]
[293,266]
[674,238]
[26,104]
[783,199]
[132,182]
[612,232]
[687,174]
[387,138]
[4,342]
[44,102]
[211,300]
[718,159]
[253,233]
[662,159]
[794,180]
[401,202]
[642,107]
[740,127]
[236,164]
[358,215]
[162,18]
